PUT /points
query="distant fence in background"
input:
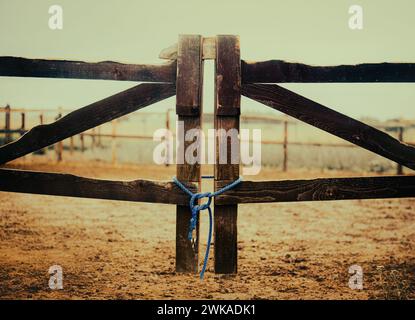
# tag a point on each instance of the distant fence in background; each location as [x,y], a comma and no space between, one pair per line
[9,131]
[17,127]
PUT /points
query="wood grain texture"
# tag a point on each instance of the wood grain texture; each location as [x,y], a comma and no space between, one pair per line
[189,75]
[189,87]
[228,76]
[86,118]
[228,171]
[107,70]
[187,252]
[227,113]
[319,189]
[331,121]
[278,71]
[58,184]
[209,48]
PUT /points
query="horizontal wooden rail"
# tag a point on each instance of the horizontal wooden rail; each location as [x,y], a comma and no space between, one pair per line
[278,71]
[308,144]
[141,137]
[247,192]
[264,142]
[266,119]
[119,136]
[331,121]
[209,117]
[63,110]
[19,110]
[318,189]
[86,118]
[58,184]
[107,70]
[21,131]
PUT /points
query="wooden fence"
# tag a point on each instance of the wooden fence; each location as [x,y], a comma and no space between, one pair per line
[234,77]
[96,134]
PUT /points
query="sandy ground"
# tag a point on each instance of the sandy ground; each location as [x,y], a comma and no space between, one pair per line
[122,250]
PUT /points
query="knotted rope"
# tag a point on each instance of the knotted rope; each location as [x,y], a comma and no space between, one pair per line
[196,208]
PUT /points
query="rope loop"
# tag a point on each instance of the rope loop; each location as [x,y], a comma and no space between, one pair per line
[197,196]
[195,208]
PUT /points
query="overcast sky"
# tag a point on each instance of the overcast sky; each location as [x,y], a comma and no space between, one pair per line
[313,32]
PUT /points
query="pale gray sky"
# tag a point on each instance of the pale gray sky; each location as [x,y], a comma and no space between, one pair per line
[314,32]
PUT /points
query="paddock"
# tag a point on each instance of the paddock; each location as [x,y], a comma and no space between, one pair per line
[292,245]
[115,249]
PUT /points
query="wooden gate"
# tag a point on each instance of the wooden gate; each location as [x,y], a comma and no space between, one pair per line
[183,77]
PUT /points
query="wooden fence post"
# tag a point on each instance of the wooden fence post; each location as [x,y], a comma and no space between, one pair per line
[41,120]
[71,145]
[93,139]
[227,114]
[81,137]
[59,145]
[189,111]
[284,167]
[99,136]
[114,142]
[8,137]
[23,127]
[23,123]
[399,169]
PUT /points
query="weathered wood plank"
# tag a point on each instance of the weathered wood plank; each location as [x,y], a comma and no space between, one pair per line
[106,70]
[189,87]
[331,121]
[58,184]
[86,118]
[319,189]
[227,112]
[228,77]
[278,71]
[209,48]
[189,75]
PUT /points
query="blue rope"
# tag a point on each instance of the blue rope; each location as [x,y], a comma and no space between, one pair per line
[196,208]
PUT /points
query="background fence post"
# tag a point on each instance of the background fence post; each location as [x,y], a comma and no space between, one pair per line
[114,142]
[93,134]
[99,137]
[285,146]
[227,114]
[71,145]
[8,137]
[399,169]
[23,127]
[23,123]
[59,145]
[81,137]
[189,111]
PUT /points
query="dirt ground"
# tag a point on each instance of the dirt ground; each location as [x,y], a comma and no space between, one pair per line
[122,250]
